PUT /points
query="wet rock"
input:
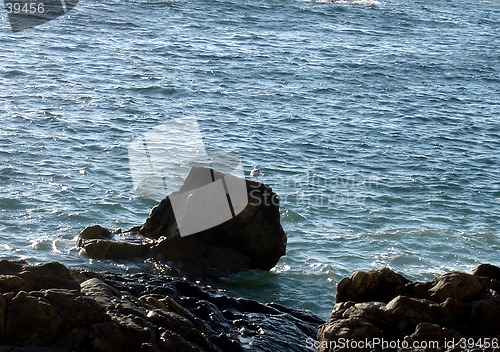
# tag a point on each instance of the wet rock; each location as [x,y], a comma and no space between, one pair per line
[459,286]
[454,305]
[108,249]
[98,242]
[95,232]
[196,237]
[253,239]
[375,285]
[109,312]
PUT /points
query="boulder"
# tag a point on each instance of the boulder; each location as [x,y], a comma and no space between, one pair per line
[459,286]
[142,312]
[215,221]
[19,275]
[95,232]
[489,271]
[252,239]
[31,319]
[108,249]
[98,242]
[375,285]
[452,306]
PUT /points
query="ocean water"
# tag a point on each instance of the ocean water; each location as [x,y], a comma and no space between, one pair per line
[376,122]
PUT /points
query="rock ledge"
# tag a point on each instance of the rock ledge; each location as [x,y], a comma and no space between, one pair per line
[49,307]
[383,305]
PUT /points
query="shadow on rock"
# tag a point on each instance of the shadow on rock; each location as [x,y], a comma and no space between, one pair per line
[251,239]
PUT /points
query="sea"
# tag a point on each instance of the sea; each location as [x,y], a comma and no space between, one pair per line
[375,121]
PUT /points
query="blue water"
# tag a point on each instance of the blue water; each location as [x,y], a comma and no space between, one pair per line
[377,123]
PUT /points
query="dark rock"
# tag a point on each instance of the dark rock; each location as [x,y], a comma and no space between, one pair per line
[452,306]
[108,312]
[98,242]
[375,285]
[18,275]
[252,237]
[489,271]
[95,232]
[459,286]
[32,320]
[49,275]
[350,328]
[484,315]
[108,249]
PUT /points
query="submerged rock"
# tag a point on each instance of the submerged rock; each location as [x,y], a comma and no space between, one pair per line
[216,221]
[59,309]
[384,306]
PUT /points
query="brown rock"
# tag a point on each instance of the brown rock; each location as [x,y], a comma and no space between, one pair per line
[11,267]
[110,312]
[488,270]
[459,286]
[253,239]
[12,283]
[452,306]
[374,285]
[72,307]
[249,237]
[31,320]
[49,275]
[108,249]
[405,313]
[18,275]
[354,329]
[108,337]
[95,232]
[485,316]
[106,296]
[428,332]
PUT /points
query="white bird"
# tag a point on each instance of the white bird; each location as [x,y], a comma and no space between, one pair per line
[255,172]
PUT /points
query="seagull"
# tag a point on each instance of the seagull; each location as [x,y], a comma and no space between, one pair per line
[255,172]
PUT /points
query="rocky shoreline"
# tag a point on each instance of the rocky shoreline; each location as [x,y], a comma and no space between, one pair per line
[382,310]
[49,307]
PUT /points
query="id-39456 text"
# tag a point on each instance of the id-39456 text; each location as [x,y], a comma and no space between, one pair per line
[24,7]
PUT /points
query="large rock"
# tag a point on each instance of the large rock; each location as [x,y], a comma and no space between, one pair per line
[253,238]
[106,312]
[384,306]
[18,275]
[216,221]
[376,285]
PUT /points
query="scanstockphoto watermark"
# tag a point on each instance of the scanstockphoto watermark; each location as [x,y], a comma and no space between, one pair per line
[312,190]
[370,344]
[484,343]
[206,190]
[25,14]
[171,159]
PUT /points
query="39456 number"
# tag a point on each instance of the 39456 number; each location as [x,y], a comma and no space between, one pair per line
[20,8]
